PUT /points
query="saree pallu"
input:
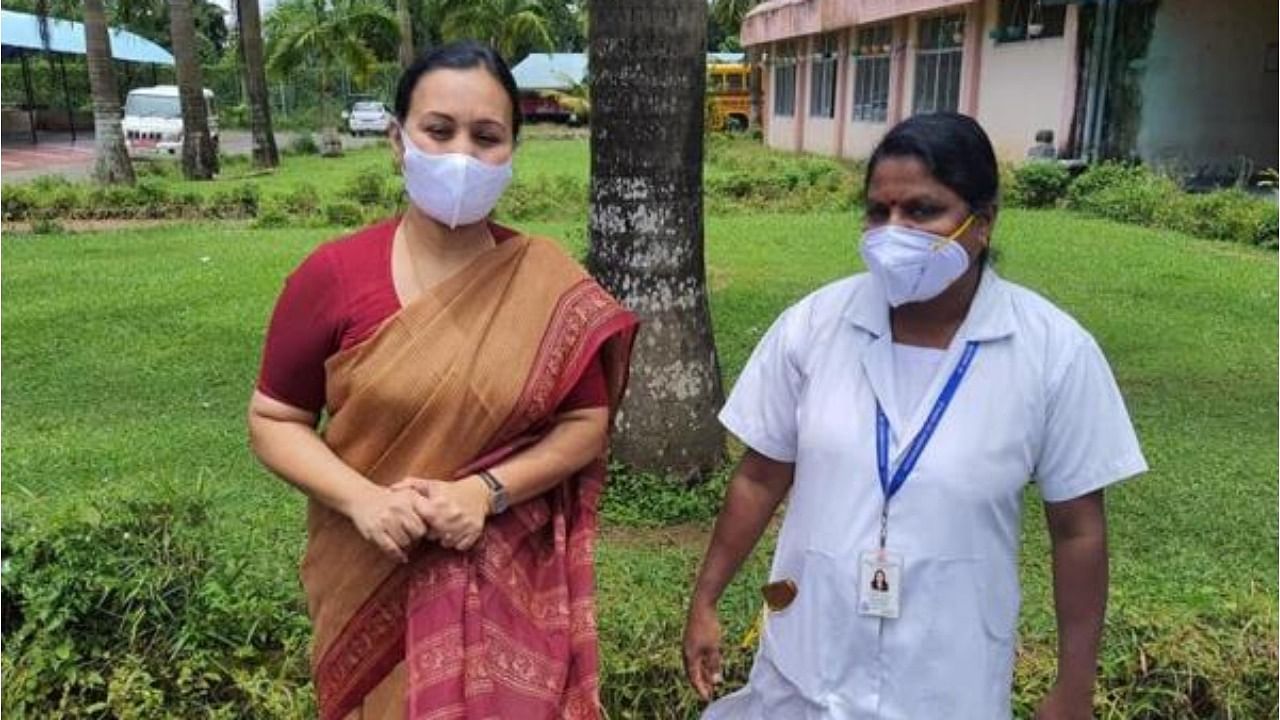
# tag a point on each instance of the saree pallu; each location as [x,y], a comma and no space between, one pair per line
[459,379]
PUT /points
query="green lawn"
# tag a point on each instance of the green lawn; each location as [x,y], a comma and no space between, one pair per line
[132,353]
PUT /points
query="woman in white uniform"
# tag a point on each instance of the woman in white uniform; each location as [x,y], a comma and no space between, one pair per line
[904,410]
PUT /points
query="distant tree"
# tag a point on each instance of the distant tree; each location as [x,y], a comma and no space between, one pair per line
[512,27]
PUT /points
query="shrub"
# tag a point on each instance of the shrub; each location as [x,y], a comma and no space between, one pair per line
[1125,193]
[46,226]
[132,607]
[110,203]
[303,144]
[367,188]
[343,213]
[1038,184]
[1266,226]
[16,201]
[544,198]
[152,199]
[238,201]
[303,200]
[272,215]
[157,168]
[1138,195]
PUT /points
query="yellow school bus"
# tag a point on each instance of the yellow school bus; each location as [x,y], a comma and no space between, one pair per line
[728,96]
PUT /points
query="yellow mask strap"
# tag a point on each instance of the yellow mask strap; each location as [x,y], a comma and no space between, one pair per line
[959,231]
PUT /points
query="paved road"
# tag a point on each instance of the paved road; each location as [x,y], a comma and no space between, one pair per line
[56,154]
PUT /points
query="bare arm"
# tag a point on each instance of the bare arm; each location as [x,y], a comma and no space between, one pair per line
[285,439]
[1078,532]
[757,488]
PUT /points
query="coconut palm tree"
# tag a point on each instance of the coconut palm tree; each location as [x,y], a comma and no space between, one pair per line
[404,19]
[199,154]
[508,26]
[646,224]
[111,156]
[249,22]
[330,35]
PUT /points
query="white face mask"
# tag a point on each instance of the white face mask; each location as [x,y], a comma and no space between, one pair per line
[452,188]
[914,265]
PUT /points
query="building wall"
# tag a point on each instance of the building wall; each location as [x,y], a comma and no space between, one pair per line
[1014,89]
[1208,98]
[1026,86]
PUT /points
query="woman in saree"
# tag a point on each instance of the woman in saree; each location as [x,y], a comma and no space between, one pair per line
[466,375]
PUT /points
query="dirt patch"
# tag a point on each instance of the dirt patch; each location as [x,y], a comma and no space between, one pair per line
[102,225]
[685,536]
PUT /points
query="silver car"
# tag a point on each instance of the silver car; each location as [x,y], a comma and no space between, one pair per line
[368,118]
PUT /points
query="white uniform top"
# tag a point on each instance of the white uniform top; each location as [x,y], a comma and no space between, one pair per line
[1038,401]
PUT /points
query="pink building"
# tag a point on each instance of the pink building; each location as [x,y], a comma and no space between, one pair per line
[1180,82]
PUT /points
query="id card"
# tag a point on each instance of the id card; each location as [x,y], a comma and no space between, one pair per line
[880,584]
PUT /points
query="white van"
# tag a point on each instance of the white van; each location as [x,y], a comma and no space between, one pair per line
[153,120]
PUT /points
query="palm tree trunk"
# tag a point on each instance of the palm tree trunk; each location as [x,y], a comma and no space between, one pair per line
[199,157]
[405,21]
[265,154]
[648,72]
[111,157]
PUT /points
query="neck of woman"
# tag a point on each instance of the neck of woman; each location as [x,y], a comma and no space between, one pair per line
[933,323]
[434,244]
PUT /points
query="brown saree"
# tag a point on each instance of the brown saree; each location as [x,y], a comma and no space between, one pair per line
[462,377]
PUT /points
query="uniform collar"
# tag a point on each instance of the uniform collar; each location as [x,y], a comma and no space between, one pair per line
[990,316]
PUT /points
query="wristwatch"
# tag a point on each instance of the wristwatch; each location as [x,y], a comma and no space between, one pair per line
[497,492]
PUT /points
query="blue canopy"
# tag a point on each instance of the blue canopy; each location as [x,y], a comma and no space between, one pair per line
[560,71]
[550,71]
[21,32]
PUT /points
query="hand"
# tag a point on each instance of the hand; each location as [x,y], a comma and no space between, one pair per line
[457,510]
[702,649]
[1061,704]
[392,518]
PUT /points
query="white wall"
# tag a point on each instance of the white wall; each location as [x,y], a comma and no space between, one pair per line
[1024,87]
[1207,99]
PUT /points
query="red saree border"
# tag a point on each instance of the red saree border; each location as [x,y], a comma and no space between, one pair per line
[372,642]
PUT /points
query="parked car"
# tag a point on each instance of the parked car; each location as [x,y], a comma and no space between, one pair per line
[368,118]
[153,120]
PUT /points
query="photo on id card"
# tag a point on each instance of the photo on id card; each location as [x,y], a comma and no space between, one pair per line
[880,584]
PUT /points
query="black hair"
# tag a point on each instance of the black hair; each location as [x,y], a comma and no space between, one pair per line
[460,55]
[955,150]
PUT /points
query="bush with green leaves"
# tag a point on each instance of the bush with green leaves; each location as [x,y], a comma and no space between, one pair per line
[343,213]
[237,202]
[1037,184]
[368,188]
[131,606]
[303,144]
[544,198]
[1135,194]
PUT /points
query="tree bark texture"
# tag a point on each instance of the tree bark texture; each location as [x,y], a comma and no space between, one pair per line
[199,156]
[111,157]
[265,153]
[648,75]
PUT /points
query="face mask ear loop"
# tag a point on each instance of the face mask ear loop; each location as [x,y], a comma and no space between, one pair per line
[959,231]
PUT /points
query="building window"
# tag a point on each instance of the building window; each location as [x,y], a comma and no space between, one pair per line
[1029,20]
[872,50]
[784,81]
[822,98]
[939,42]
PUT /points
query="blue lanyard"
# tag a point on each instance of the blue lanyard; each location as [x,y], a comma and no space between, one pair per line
[891,485]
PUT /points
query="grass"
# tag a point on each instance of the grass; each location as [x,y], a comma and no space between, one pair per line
[131,354]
